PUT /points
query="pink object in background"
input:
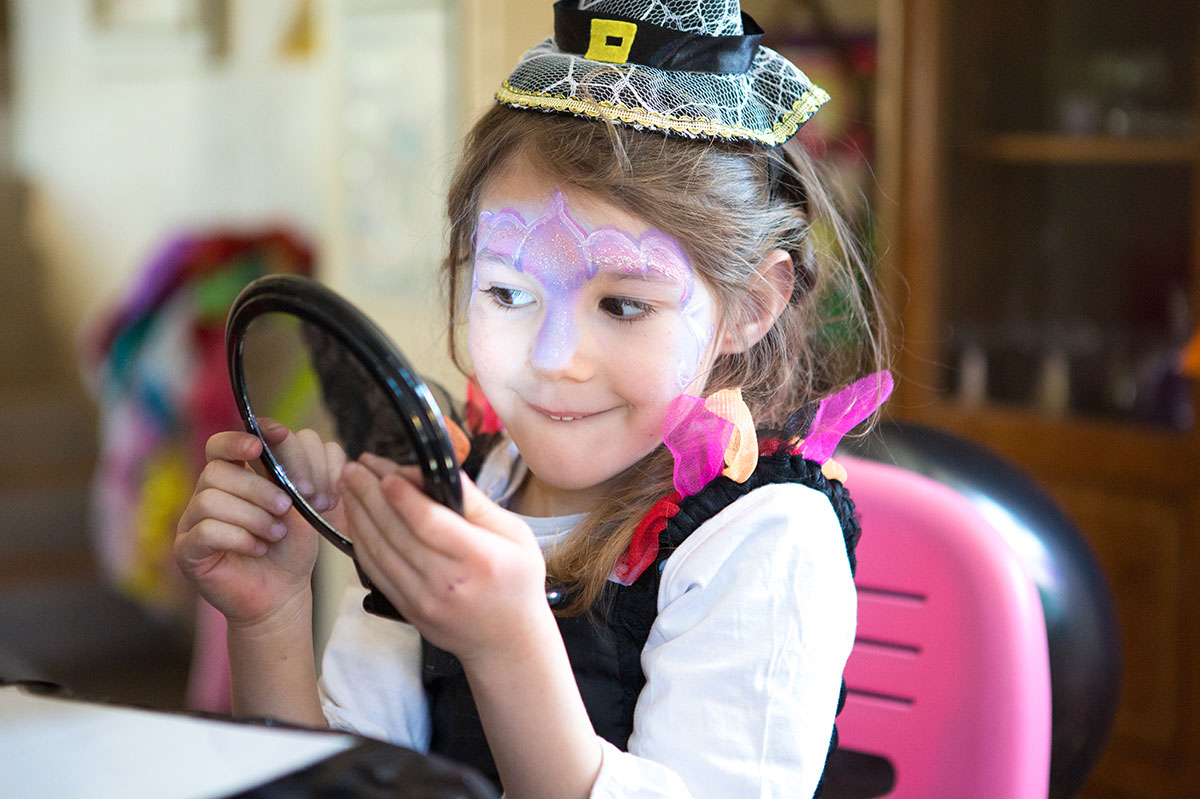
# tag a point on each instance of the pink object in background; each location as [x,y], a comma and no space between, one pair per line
[208,687]
[949,678]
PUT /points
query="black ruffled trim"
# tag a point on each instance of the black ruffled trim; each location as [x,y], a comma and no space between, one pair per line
[771,469]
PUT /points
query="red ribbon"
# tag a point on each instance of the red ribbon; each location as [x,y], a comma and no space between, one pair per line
[643,547]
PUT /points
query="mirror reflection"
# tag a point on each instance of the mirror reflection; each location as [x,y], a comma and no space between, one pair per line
[316,406]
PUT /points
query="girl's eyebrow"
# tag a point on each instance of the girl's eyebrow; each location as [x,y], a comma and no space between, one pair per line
[498,255]
[651,275]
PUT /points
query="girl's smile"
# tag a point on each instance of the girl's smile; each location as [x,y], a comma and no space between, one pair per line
[585,323]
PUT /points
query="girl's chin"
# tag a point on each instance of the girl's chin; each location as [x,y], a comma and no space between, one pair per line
[564,482]
[566,492]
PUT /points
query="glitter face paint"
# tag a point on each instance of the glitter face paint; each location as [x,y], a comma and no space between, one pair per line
[585,324]
[562,257]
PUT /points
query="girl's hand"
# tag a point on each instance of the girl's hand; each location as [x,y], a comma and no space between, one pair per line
[313,465]
[239,541]
[473,585]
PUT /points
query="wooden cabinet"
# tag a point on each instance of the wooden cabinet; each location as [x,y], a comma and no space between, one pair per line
[1039,167]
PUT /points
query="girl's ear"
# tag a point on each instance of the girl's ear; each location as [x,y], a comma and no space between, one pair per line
[774,280]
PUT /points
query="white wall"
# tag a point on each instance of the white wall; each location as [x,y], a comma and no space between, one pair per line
[122,147]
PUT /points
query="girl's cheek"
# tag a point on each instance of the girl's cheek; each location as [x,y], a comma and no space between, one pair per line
[662,365]
[481,339]
[692,342]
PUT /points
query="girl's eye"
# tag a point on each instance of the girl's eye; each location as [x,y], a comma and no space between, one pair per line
[509,298]
[625,309]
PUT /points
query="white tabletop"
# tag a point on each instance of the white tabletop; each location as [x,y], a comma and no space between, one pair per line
[54,746]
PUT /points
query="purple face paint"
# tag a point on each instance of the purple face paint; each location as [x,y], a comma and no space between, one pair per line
[561,256]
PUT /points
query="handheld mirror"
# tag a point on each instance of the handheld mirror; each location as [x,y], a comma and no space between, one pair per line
[301,356]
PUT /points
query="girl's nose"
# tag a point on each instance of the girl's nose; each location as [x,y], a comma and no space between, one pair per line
[558,349]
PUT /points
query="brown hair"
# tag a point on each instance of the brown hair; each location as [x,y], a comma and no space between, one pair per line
[728,204]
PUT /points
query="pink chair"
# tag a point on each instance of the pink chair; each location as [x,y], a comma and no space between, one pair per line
[949,678]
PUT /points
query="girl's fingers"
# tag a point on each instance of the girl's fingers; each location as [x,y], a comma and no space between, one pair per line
[273,430]
[318,469]
[480,510]
[222,506]
[213,535]
[381,467]
[394,525]
[392,573]
[335,459]
[335,456]
[433,525]
[233,446]
[291,454]
[245,484]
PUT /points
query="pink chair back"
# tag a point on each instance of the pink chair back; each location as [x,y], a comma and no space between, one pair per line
[949,678]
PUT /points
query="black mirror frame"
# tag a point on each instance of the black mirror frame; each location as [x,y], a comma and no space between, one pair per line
[415,406]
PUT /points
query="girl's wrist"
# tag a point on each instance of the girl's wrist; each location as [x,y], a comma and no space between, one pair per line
[533,715]
[281,623]
[535,632]
[272,671]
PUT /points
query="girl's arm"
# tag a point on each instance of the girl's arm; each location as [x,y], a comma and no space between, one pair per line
[474,585]
[271,667]
[536,725]
[251,556]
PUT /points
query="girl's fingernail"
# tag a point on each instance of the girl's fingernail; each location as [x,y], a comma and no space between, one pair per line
[260,548]
[281,503]
[277,531]
[304,487]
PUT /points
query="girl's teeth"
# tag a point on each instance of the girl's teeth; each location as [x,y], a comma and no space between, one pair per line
[563,418]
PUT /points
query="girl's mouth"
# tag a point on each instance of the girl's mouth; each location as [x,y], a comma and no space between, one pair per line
[563,416]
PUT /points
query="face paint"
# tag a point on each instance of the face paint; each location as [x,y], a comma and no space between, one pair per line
[561,256]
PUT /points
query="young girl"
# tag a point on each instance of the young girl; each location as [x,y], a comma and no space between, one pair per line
[633,252]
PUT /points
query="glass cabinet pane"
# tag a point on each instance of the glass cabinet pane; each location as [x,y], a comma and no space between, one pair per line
[1068,287]
[1119,68]
[1070,189]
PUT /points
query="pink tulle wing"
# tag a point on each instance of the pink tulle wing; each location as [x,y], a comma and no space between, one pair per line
[697,438]
[840,413]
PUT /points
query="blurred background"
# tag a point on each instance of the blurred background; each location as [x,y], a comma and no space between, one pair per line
[1024,174]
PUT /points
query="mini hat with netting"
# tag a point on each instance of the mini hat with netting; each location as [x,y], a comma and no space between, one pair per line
[693,68]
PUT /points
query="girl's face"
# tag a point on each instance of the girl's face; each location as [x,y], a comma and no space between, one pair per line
[585,323]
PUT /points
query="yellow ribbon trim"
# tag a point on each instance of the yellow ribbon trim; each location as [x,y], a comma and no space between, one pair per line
[783,130]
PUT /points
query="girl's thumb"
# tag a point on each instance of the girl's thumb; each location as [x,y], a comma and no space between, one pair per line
[480,510]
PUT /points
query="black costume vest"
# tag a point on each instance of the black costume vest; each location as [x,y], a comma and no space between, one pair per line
[605,644]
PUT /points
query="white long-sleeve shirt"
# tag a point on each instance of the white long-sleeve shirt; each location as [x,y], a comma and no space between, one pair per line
[743,664]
